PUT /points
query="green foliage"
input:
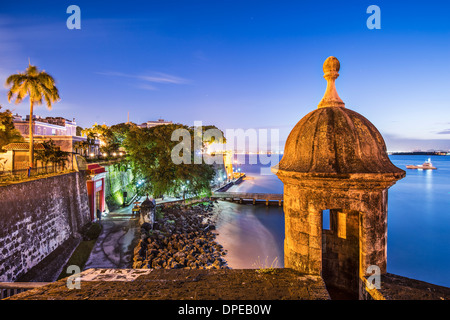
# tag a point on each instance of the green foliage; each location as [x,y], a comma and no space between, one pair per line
[85,144]
[266,268]
[79,130]
[120,131]
[118,180]
[159,213]
[150,152]
[111,138]
[102,133]
[8,133]
[51,153]
[38,85]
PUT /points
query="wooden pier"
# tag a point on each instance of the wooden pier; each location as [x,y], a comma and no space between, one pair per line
[243,197]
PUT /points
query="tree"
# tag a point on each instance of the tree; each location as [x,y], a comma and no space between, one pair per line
[8,133]
[59,158]
[78,131]
[38,86]
[51,153]
[150,152]
[91,137]
[111,138]
[104,134]
[45,155]
[120,132]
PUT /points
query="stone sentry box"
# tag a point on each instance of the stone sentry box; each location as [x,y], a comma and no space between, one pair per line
[335,159]
[148,211]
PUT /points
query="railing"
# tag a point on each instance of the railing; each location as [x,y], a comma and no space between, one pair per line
[186,201]
[245,195]
[8,289]
[242,196]
[21,174]
[238,177]
[105,159]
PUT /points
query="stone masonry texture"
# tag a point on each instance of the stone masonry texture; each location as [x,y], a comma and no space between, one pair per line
[184,284]
[38,216]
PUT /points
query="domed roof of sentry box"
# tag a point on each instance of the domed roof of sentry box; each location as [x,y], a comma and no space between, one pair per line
[335,140]
[147,205]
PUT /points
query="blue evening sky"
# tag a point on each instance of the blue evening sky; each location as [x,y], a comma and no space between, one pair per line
[238,64]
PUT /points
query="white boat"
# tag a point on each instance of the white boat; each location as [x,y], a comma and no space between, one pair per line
[427,165]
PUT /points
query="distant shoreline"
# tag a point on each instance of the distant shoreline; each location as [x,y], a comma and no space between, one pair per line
[420,153]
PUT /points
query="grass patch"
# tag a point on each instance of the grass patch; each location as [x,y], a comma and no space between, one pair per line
[264,268]
[90,233]
[159,214]
[266,271]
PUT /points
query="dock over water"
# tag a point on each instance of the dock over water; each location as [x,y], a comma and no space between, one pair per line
[243,197]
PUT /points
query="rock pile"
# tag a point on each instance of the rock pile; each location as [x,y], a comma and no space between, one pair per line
[181,238]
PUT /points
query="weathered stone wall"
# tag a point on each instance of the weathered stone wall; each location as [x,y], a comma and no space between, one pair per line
[36,217]
[340,250]
[364,205]
[6,161]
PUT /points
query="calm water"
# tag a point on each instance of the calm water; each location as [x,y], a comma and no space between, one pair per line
[418,222]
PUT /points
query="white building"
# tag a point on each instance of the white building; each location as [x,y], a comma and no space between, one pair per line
[150,124]
[62,131]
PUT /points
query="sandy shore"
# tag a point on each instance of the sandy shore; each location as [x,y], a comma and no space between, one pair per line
[253,236]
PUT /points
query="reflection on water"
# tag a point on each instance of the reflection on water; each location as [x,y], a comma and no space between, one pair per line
[253,235]
[418,222]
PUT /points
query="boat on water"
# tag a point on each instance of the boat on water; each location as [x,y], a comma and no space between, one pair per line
[427,165]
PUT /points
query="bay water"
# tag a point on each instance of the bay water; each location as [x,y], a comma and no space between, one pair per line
[418,221]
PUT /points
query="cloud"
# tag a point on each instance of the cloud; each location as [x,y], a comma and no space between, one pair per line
[153,78]
[164,78]
[446,131]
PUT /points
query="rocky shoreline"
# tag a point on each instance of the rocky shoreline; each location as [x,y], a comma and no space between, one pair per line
[182,238]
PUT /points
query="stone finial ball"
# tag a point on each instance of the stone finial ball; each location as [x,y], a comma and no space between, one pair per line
[331,65]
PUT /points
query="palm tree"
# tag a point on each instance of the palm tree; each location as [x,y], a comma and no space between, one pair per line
[38,85]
